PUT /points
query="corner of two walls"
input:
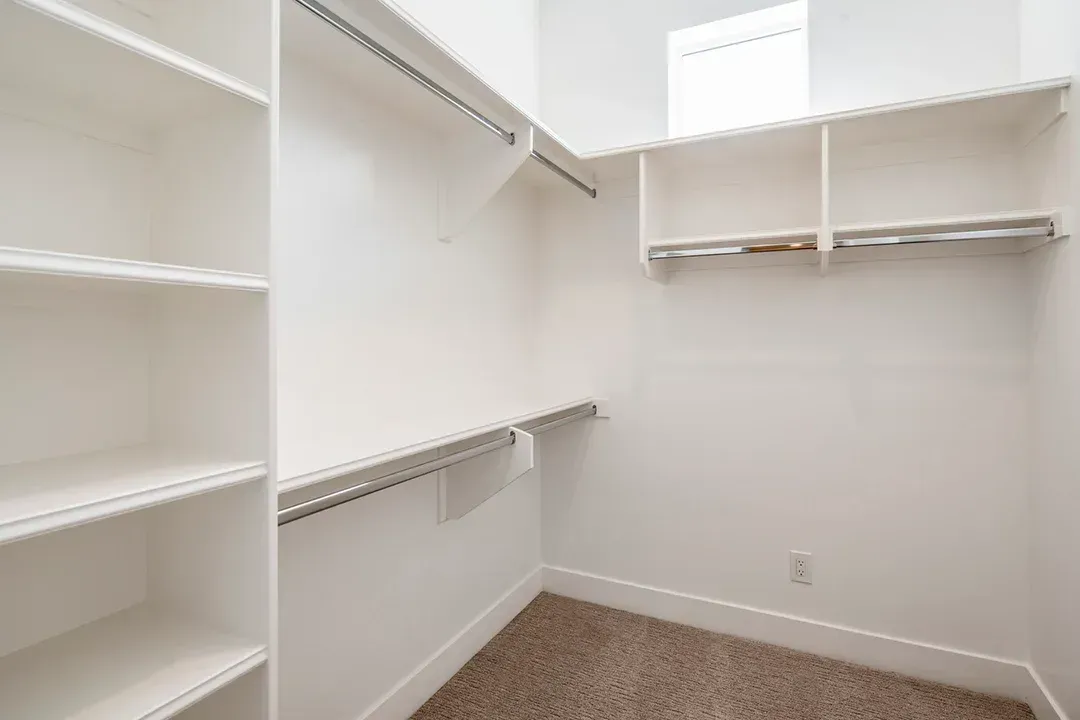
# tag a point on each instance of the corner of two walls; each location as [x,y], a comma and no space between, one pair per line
[1054,507]
[861,417]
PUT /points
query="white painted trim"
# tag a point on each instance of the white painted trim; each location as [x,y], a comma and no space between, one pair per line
[1044,706]
[118,35]
[412,692]
[87,266]
[974,671]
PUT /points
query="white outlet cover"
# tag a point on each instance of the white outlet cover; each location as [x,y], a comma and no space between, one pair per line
[801,567]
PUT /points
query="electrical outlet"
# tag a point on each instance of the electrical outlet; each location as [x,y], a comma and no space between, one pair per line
[802,567]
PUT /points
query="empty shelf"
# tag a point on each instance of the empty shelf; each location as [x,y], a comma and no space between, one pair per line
[138,664]
[39,497]
[52,263]
[1040,218]
[392,456]
[53,48]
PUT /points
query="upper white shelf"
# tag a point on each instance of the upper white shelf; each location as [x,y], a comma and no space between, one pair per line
[310,39]
[85,266]
[139,664]
[54,50]
[789,235]
[391,456]
[39,497]
[1041,218]
[1011,106]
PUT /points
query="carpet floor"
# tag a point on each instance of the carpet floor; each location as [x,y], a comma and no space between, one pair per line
[563,659]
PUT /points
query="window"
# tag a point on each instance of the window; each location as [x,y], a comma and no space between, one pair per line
[744,70]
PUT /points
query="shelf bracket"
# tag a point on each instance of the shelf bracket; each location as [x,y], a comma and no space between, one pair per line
[1046,114]
[474,169]
[649,215]
[466,486]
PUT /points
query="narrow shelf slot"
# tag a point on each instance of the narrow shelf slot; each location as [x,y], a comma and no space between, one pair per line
[138,664]
[48,495]
[85,266]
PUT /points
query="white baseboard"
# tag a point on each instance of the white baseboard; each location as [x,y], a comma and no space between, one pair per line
[981,673]
[1046,708]
[412,692]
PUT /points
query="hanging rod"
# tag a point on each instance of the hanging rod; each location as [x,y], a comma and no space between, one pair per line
[1042,231]
[389,57]
[590,191]
[355,492]
[732,250]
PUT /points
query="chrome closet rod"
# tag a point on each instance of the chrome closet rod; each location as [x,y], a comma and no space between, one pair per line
[371,45]
[543,428]
[354,492]
[734,250]
[590,191]
[1019,233]
[367,42]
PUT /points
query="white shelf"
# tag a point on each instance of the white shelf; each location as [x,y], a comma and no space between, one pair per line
[1005,106]
[39,497]
[952,223]
[52,48]
[311,39]
[367,463]
[801,234]
[138,664]
[85,266]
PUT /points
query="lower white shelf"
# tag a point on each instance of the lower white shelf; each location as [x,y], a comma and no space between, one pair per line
[139,664]
[85,266]
[39,497]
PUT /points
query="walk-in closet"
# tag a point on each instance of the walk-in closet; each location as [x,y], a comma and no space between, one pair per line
[581,359]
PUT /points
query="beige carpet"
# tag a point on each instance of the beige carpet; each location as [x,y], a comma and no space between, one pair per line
[562,659]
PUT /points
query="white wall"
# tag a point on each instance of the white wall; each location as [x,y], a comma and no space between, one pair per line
[874,417]
[497,37]
[1055,490]
[386,337]
[1045,39]
[603,63]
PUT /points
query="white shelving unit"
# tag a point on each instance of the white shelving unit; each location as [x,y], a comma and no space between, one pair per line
[880,181]
[137,533]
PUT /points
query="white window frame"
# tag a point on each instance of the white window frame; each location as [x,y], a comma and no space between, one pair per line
[778,20]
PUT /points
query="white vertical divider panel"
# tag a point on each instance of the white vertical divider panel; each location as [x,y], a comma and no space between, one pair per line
[476,165]
[202,555]
[825,235]
[268,689]
[649,180]
[467,485]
